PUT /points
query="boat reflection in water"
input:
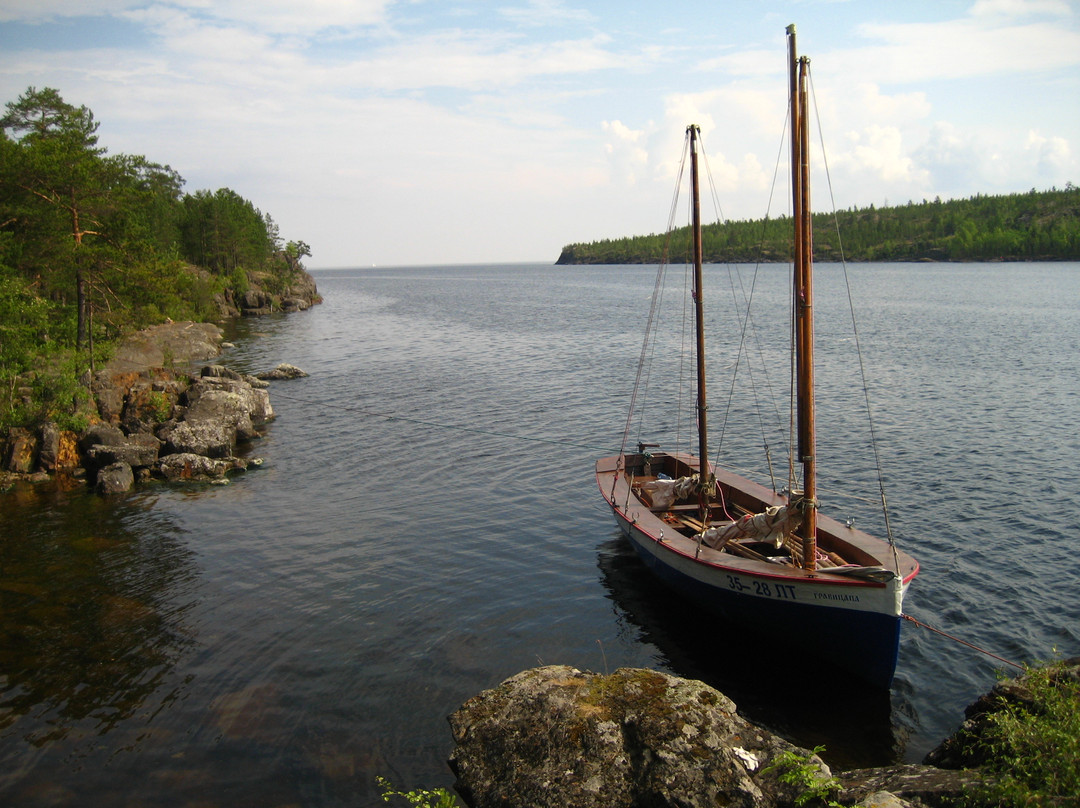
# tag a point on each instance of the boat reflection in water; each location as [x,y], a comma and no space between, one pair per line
[850,717]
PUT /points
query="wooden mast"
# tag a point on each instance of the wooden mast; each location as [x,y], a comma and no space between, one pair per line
[705,482]
[803,298]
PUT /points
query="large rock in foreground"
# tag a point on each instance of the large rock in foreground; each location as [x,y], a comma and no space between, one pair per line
[558,736]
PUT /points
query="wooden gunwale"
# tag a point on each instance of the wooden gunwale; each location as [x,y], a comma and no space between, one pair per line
[851,543]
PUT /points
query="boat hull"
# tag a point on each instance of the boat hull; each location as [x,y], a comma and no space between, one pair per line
[832,619]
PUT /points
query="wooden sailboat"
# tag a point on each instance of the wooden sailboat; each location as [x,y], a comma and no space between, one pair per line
[764,559]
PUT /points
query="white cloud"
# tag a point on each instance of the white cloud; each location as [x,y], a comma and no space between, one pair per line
[879,151]
[1019,8]
[291,16]
[37,11]
[354,123]
[1052,155]
[919,52]
[872,104]
[546,12]
[466,60]
[960,161]
[627,151]
[272,16]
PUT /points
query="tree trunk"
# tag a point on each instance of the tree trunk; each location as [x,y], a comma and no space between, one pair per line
[80,302]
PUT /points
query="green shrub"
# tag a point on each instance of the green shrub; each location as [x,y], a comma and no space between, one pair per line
[50,394]
[799,771]
[159,408]
[1032,744]
[421,798]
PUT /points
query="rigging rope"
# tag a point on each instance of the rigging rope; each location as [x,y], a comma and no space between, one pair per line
[974,647]
[855,333]
[648,340]
[749,326]
[746,325]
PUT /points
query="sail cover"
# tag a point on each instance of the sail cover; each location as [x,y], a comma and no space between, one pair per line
[664,493]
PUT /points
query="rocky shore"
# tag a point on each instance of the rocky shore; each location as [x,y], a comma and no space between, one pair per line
[159,415]
[560,736]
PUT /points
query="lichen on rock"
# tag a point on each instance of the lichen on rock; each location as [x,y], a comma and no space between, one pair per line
[560,736]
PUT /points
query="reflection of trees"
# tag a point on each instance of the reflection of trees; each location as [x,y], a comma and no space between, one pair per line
[92,603]
[759,674]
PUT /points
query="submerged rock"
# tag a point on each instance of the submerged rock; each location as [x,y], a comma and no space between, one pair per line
[115,478]
[193,467]
[282,371]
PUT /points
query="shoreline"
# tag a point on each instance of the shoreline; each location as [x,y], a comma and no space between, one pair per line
[158,412]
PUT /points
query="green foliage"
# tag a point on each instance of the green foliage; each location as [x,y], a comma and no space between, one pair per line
[223,232]
[422,798]
[1018,227]
[37,374]
[1032,745]
[799,771]
[50,393]
[95,245]
[25,323]
[159,408]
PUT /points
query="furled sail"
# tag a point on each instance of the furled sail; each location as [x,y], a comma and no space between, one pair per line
[771,525]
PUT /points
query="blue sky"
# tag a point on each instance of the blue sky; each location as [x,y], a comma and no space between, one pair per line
[398,132]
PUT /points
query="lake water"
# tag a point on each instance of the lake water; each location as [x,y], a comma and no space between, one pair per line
[284,639]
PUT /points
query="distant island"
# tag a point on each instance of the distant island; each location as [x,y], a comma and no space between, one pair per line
[1033,226]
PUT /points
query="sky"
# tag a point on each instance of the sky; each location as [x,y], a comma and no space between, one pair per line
[412,132]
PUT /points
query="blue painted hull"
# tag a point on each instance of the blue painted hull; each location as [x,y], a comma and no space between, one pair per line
[847,616]
[866,644]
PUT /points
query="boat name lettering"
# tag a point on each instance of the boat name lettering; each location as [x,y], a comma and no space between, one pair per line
[762,588]
[836,596]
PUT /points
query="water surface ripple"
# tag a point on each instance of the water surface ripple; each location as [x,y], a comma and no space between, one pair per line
[286,638]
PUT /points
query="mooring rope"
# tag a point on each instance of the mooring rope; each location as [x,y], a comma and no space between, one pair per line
[974,647]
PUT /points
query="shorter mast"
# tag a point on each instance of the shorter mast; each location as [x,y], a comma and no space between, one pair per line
[705,479]
[803,300]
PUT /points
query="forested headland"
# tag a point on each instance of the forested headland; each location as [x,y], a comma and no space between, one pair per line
[94,245]
[1033,226]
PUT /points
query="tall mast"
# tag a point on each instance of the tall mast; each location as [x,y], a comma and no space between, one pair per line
[705,479]
[803,297]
